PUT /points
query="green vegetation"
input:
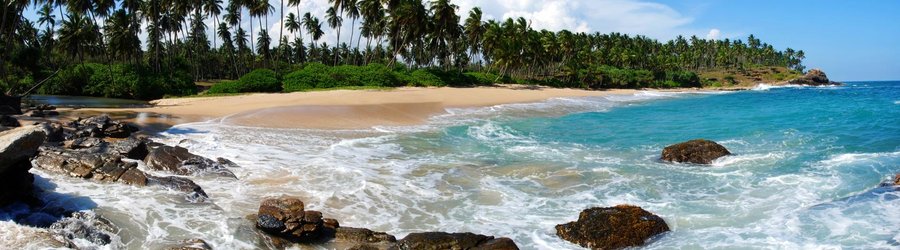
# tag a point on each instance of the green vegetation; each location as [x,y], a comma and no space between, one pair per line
[95,47]
[747,77]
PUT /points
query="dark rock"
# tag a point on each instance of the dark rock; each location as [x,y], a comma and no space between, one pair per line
[362,235]
[9,121]
[86,226]
[227,163]
[35,113]
[195,193]
[132,148]
[10,105]
[179,161]
[897,179]
[54,131]
[440,240]
[695,151]
[17,146]
[286,219]
[45,107]
[814,77]
[612,227]
[192,244]
[134,177]
[100,127]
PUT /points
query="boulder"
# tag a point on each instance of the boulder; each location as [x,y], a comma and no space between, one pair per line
[179,161]
[84,227]
[361,238]
[616,227]
[285,218]
[814,77]
[195,194]
[10,105]
[17,147]
[9,121]
[897,179]
[55,132]
[84,142]
[441,240]
[695,151]
[131,148]
[191,244]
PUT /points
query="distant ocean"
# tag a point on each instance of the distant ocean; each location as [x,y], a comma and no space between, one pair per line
[805,172]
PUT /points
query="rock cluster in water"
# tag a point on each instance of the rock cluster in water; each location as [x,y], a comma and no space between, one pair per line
[612,227]
[814,77]
[694,151]
[285,219]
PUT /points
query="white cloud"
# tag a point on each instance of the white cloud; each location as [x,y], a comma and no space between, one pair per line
[713,34]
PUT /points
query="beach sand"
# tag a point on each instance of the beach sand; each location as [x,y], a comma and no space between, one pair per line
[342,109]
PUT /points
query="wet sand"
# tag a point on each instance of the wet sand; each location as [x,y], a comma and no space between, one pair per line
[342,109]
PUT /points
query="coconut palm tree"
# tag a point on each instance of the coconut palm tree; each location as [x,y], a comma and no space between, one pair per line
[334,21]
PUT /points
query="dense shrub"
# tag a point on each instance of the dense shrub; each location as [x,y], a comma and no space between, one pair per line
[118,80]
[424,78]
[225,87]
[319,76]
[260,80]
[482,78]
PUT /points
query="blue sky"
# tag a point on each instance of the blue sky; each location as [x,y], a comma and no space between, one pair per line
[851,40]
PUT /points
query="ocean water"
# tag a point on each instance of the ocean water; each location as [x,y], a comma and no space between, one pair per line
[805,172]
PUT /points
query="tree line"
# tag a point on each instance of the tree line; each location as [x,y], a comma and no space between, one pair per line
[401,34]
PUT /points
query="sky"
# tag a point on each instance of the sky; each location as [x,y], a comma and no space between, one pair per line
[849,40]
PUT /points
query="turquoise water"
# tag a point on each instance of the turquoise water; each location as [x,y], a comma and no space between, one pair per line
[805,172]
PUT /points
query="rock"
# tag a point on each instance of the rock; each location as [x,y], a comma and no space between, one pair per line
[100,127]
[45,107]
[54,131]
[195,193]
[84,226]
[84,142]
[897,179]
[179,161]
[616,227]
[10,105]
[35,113]
[440,240]
[285,218]
[695,151]
[192,244]
[9,121]
[19,144]
[361,235]
[109,167]
[814,77]
[17,147]
[131,148]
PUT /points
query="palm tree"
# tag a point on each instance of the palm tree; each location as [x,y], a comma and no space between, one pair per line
[334,21]
[293,25]
[446,29]
[76,32]
[213,8]
[474,31]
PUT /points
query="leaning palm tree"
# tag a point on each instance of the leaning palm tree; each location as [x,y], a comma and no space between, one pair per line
[213,8]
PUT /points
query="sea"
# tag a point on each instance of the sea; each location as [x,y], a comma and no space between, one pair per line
[806,172]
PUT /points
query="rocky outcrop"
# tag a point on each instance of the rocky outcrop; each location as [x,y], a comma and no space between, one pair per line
[695,151]
[107,167]
[191,244]
[100,127]
[440,240]
[17,147]
[815,77]
[84,229]
[361,238]
[287,219]
[897,179]
[612,227]
[179,161]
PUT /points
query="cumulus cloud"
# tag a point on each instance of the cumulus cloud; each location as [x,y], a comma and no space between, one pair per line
[713,34]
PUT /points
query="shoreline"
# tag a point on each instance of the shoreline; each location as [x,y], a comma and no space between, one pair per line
[342,109]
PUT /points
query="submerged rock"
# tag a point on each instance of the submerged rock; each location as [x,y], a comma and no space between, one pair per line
[179,161]
[441,240]
[612,227]
[192,244]
[286,218]
[694,151]
[17,146]
[84,227]
[361,238]
[814,77]
[195,193]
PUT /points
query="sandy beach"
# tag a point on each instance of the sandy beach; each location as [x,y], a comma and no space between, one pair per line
[342,109]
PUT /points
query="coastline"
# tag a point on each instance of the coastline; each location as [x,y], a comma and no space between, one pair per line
[345,109]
